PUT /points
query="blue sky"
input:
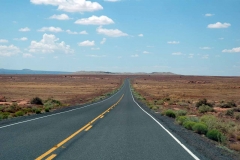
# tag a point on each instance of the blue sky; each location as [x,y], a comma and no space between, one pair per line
[189,37]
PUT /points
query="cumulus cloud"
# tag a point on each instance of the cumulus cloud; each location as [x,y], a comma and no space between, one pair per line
[50,29]
[71,5]
[221,38]
[146,52]
[26,29]
[209,15]
[112,0]
[3,41]
[103,41]
[233,50]
[49,44]
[27,55]
[60,17]
[205,48]
[8,50]
[94,20]
[219,25]
[71,32]
[21,39]
[95,48]
[205,56]
[140,35]
[177,53]
[83,32]
[96,56]
[173,42]
[135,55]
[86,43]
[111,32]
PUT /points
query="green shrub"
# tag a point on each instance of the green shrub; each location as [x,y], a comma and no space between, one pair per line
[237,117]
[203,102]
[37,101]
[228,104]
[51,103]
[170,113]
[38,111]
[19,113]
[230,113]
[189,124]
[181,113]
[215,135]
[193,119]
[200,128]
[181,119]
[47,109]
[205,108]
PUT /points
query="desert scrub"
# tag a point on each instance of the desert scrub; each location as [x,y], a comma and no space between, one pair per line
[203,102]
[52,103]
[19,113]
[215,135]
[170,113]
[37,100]
[189,125]
[230,104]
[4,115]
[230,113]
[205,108]
[181,119]
[181,113]
[200,128]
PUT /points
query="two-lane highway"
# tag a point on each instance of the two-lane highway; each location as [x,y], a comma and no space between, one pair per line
[116,128]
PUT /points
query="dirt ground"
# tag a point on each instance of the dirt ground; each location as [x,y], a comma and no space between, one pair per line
[69,89]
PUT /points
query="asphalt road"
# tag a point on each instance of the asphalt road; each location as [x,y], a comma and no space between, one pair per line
[117,128]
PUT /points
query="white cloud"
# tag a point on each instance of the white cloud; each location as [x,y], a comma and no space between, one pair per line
[26,29]
[140,35]
[49,44]
[173,42]
[21,39]
[112,0]
[3,41]
[111,32]
[83,32]
[205,48]
[135,55]
[103,41]
[94,20]
[60,17]
[209,15]
[233,50]
[71,32]
[146,52]
[50,29]
[96,56]
[221,38]
[71,5]
[86,43]
[219,25]
[177,53]
[95,48]
[9,50]
[190,55]
[27,55]
[205,56]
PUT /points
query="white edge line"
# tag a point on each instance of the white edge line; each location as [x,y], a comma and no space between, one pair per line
[182,145]
[59,112]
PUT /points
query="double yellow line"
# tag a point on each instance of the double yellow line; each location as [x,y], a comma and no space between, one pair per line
[86,128]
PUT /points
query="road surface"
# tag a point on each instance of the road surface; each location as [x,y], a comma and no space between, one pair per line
[116,128]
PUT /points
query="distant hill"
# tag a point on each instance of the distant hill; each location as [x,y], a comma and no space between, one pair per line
[122,73]
[28,71]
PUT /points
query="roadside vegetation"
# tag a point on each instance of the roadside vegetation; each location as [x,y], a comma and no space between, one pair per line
[216,120]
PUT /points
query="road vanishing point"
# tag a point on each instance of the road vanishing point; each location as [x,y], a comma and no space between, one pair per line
[112,129]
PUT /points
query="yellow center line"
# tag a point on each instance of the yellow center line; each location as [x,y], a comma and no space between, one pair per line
[51,157]
[87,127]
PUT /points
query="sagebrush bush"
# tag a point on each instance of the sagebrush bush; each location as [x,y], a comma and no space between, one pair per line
[228,104]
[19,113]
[215,135]
[189,125]
[203,102]
[230,113]
[181,113]
[181,119]
[37,101]
[47,109]
[200,128]
[170,113]
[205,108]
[38,111]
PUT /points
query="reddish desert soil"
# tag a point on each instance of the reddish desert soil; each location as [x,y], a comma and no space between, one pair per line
[69,89]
